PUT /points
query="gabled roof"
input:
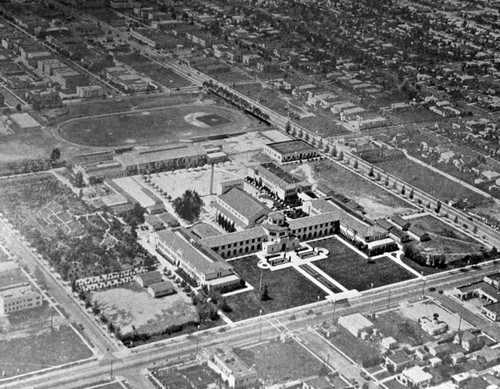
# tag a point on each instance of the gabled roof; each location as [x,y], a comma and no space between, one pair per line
[244,203]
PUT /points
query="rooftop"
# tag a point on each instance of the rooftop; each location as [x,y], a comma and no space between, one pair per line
[20,291]
[417,375]
[159,286]
[244,203]
[224,353]
[291,146]
[277,174]
[217,241]
[12,277]
[190,254]
[355,321]
[159,154]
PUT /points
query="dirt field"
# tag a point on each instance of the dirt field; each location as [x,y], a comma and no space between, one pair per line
[153,126]
[415,311]
[377,202]
[132,306]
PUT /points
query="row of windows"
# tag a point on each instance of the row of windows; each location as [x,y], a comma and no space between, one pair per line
[26,300]
[241,243]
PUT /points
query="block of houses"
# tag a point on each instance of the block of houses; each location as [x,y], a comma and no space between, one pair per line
[415,377]
[149,278]
[398,361]
[487,355]
[356,324]
[160,289]
[439,350]
[433,326]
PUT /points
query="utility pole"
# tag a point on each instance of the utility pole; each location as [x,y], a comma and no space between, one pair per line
[111,371]
[197,340]
[423,285]
[389,300]
[333,313]
[260,324]
[371,301]
[260,282]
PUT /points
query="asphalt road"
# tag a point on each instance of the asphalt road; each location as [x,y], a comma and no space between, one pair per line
[251,330]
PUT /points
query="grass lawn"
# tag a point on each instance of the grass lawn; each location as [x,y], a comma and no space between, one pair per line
[354,272]
[445,239]
[169,124]
[47,349]
[280,362]
[287,288]
[377,202]
[357,349]
[426,270]
[432,183]
[323,126]
[405,331]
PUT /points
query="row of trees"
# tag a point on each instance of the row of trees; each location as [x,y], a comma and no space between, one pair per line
[236,100]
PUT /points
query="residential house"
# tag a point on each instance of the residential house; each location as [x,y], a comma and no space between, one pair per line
[415,378]
[398,361]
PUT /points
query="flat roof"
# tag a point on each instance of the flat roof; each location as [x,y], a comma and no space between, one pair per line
[355,321]
[134,189]
[10,278]
[223,352]
[21,291]
[291,146]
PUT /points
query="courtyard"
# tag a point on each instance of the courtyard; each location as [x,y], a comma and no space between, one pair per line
[353,271]
[287,288]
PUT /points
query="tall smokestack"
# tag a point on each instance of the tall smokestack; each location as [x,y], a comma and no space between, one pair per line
[212,179]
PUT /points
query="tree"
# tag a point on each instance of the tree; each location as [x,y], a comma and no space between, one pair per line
[438,206]
[355,164]
[403,190]
[79,180]
[188,206]
[265,294]
[288,128]
[386,181]
[18,107]
[55,154]
[371,173]
[411,193]
[333,151]
[341,155]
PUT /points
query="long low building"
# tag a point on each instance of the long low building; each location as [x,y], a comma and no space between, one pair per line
[291,150]
[283,184]
[162,158]
[215,274]
[16,292]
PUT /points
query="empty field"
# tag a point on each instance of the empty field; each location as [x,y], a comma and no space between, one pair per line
[355,272]
[47,349]
[131,307]
[153,126]
[377,202]
[432,183]
[277,361]
[287,288]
